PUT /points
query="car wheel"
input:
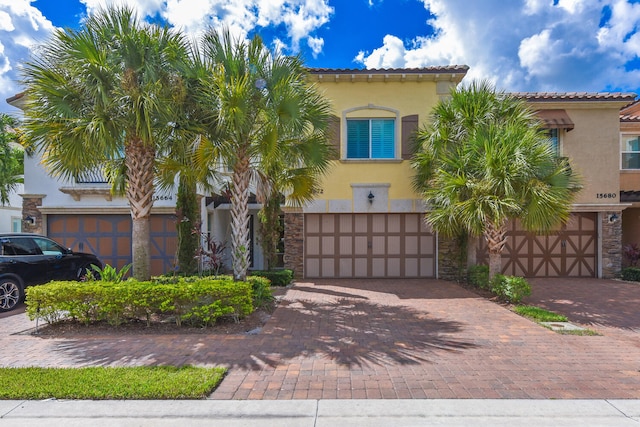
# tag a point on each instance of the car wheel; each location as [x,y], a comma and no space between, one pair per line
[11,294]
[86,270]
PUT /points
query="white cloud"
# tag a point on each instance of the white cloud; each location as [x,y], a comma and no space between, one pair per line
[315,44]
[526,44]
[21,27]
[300,18]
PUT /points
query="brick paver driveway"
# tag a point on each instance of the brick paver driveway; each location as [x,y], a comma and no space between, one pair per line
[391,339]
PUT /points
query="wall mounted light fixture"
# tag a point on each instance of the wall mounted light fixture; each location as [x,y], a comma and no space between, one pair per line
[30,220]
[370,197]
[613,217]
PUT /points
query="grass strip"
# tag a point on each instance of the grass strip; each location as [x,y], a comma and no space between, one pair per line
[139,382]
[539,314]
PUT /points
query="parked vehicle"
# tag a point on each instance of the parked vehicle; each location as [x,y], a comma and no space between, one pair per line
[30,259]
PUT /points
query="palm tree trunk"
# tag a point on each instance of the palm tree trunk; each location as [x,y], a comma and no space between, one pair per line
[139,160]
[495,234]
[240,218]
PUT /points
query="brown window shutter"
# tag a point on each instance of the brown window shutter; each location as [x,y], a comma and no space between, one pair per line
[409,127]
[334,137]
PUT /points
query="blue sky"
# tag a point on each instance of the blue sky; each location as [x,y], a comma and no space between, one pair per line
[520,45]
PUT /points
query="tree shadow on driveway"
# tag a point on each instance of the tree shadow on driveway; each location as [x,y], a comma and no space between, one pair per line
[347,327]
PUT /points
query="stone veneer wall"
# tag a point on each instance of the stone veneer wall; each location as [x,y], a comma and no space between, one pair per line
[294,243]
[30,207]
[611,244]
[452,259]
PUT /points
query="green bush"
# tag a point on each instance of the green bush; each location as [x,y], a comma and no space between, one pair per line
[631,274]
[510,288]
[261,291]
[277,277]
[478,276]
[198,301]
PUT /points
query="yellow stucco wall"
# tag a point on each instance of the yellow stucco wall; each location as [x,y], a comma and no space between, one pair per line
[376,99]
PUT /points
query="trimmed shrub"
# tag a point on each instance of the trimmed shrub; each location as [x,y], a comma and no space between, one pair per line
[261,291]
[631,274]
[478,276]
[510,288]
[277,277]
[199,301]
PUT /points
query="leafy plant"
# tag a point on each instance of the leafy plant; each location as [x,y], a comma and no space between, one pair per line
[510,288]
[109,273]
[277,277]
[631,254]
[210,255]
[631,274]
[261,287]
[478,276]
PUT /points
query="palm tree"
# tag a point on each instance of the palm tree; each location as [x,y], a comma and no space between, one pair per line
[11,158]
[103,92]
[268,118]
[485,161]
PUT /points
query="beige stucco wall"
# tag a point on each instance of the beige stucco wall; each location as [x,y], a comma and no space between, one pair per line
[593,148]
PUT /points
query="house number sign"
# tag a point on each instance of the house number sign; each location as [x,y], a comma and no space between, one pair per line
[606,195]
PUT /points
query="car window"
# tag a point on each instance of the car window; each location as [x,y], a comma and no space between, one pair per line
[23,246]
[49,247]
[6,247]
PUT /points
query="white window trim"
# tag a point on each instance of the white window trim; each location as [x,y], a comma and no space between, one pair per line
[622,136]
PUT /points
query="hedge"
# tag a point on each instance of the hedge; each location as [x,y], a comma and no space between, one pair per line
[198,301]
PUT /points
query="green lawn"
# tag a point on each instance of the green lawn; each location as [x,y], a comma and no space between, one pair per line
[146,382]
[539,314]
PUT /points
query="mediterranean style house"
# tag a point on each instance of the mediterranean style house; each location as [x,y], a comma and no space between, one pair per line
[367,221]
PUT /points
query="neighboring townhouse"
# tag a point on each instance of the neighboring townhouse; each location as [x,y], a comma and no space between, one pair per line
[630,172]
[584,128]
[11,213]
[367,221]
[84,215]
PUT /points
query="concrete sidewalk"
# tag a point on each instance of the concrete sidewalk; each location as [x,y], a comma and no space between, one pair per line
[319,413]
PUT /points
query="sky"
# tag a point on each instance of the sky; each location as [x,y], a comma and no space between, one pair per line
[519,45]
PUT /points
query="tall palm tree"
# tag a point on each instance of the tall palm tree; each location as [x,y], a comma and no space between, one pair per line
[11,158]
[103,92]
[268,118]
[485,161]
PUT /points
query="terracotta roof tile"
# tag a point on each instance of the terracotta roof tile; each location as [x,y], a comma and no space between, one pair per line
[576,96]
[424,70]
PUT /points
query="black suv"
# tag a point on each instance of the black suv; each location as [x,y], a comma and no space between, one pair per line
[30,259]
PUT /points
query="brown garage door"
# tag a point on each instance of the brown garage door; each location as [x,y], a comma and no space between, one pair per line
[570,252]
[109,237]
[368,245]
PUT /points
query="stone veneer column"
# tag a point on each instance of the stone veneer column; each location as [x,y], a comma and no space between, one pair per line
[611,244]
[452,259]
[294,242]
[30,208]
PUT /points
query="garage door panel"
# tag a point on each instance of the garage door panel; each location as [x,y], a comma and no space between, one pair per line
[378,246]
[109,237]
[369,245]
[569,252]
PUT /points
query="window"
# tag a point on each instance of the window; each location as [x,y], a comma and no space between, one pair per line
[49,247]
[554,140]
[630,151]
[16,224]
[371,139]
